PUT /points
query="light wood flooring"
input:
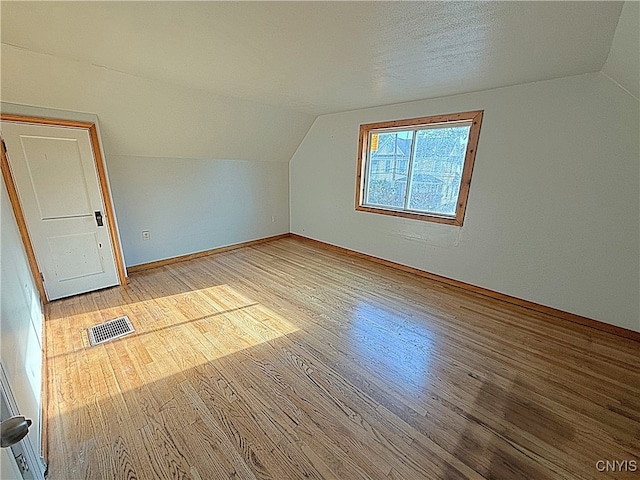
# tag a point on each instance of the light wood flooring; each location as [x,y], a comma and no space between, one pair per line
[288,361]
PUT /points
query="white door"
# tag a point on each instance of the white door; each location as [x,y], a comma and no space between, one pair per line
[8,466]
[20,340]
[21,462]
[55,175]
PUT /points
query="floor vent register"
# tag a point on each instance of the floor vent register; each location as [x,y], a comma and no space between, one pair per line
[116,328]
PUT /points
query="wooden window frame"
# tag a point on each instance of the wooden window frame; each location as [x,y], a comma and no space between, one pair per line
[473,117]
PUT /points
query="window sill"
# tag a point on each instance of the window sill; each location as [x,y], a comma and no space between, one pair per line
[413,215]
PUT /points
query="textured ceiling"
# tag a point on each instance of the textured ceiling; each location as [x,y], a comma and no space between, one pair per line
[322,57]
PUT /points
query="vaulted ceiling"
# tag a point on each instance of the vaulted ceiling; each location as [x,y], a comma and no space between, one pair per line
[322,57]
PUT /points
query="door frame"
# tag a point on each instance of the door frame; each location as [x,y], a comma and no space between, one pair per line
[104,190]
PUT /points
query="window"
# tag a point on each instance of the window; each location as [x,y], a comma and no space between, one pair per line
[418,168]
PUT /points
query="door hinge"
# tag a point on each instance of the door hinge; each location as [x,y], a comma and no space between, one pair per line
[42,277]
[4,146]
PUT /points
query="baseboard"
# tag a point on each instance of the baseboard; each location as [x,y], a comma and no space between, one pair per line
[168,261]
[554,312]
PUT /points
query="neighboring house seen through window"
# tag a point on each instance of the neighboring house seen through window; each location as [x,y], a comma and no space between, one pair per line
[418,168]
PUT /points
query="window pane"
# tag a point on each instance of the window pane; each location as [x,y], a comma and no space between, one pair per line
[388,168]
[437,169]
[414,167]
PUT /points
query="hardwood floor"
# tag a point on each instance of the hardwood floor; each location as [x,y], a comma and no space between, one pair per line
[287,361]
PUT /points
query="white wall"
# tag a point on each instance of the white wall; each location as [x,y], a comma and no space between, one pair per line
[181,162]
[623,61]
[553,212]
[195,205]
[20,321]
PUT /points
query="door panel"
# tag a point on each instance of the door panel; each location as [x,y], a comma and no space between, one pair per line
[75,255]
[55,175]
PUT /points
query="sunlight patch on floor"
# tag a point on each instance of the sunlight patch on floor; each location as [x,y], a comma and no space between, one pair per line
[393,345]
[174,333]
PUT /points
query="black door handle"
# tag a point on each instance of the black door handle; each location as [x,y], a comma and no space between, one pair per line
[99,219]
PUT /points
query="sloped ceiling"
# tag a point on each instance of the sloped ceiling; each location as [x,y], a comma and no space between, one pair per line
[322,57]
[623,62]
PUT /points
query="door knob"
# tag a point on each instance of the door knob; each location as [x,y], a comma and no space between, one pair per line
[14,429]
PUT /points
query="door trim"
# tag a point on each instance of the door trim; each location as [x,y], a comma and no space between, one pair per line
[104,190]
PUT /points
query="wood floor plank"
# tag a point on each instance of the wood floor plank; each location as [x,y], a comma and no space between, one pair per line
[285,360]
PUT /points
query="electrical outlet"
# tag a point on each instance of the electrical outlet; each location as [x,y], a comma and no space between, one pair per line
[146,235]
[273,218]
